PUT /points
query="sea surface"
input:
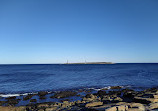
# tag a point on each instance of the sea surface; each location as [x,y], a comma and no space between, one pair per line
[26,78]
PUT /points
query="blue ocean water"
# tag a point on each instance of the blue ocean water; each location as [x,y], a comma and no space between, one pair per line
[52,77]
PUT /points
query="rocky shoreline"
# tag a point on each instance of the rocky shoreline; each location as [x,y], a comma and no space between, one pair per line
[114,99]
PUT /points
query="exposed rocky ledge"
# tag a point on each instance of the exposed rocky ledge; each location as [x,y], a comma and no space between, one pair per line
[117,99]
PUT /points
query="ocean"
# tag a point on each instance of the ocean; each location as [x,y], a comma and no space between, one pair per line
[27,78]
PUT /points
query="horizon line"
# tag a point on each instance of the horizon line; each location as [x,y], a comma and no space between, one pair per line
[75,62]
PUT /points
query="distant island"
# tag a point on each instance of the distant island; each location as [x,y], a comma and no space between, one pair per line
[91,63]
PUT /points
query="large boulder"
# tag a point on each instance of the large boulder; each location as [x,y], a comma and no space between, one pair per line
[91,97]
[153,106]
[29,96]
[12,102]
[33,100]
[65,104]
[145,100]
[9,108]
[139,106]
[118,108]
[63,94]
[111,99]
[11,98]
[135,109]
[122,106]
[155,96]
[115,87]
[51,109]
[93,104]
[42,93]
[101,93]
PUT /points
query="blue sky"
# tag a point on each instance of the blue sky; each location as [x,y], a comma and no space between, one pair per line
[54,31]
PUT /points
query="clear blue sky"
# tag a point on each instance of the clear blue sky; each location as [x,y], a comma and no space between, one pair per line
[52,31]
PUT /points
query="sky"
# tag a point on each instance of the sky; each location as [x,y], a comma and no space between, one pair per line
[54,31]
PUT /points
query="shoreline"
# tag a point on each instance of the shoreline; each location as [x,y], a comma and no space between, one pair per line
[105,99]
[72,89]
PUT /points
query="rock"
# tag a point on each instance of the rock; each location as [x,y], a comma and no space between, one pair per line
[29,96]
[103,107]
[91,97]
[101,93]
[44,105]
[104,89]
[9,108]
[111,109]
[12,102]
[32,107]
[114,93]
[93,104]
[152,100]
[139,106]
[33,100]
[83,101]
[111,99]
[118,108]
[128,95]
[57,104]
[78,95]
[151,90]
[65,104]
[65,100]
[141,100]
[76,108]
[11,98]
[135,109]
[127,90]
[2,102]
[107,98]
[117,99]
[147,96]
[122,106]
[78,102]
[42,97]
[80,90]
[155,96]
[51,109]
[88,90]
[153,106]
[72,103]
[156,92]
[115,87]
[63,94]
[42,93]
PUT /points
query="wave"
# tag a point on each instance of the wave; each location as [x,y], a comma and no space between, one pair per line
[11,95]
[107,88]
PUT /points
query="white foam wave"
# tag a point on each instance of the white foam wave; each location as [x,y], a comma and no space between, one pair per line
[11,95]
[24,94]
[108,87]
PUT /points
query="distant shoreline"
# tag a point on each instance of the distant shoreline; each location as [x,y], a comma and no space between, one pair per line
[91,63]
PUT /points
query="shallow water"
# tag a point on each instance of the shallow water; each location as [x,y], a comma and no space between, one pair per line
[52,77]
